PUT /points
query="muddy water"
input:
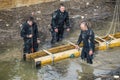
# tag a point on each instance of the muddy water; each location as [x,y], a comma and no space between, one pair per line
[13,68]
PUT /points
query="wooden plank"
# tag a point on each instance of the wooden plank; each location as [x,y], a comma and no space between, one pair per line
[101,46]
[52,50]
[117,35]
[52,56]
[111,36]
[47,52]
[100,38]
[71,43]
[97,41]
[114,43]
[66,54]
[57,57]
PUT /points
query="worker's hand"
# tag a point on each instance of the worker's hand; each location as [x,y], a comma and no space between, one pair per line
[90,52]
[33,13]
[56,30]
[30,36]
[77,47]
[38,41]
[68,29]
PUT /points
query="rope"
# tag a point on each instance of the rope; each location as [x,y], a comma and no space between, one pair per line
[115,22]
[111,23]
[118,17]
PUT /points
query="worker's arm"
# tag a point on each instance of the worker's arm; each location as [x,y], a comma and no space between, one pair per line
[79,39]
[54,19]
[91,42]
[23,31]
[36,30]
[67,21]
[36,33]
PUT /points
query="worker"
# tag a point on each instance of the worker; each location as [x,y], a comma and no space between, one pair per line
[59,18]
[87,36]
[29,33]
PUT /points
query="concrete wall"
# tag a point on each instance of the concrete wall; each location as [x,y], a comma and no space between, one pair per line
[6,4]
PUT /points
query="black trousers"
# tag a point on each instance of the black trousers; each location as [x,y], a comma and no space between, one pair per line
[85,55]
[57,36]
[30,46]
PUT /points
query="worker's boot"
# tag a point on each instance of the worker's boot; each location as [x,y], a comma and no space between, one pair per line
[53,41]
[90,61]
[24,56]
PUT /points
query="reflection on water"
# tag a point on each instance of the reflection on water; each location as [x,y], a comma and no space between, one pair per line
[86,73]
[17,71]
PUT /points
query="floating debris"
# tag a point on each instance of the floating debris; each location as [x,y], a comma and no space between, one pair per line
[20,25]
[95,14]
[97,6]
[95,10]
[79,77]
[87,3]
[38,18]
[39,12]
[116,76]
[98,79]
[17,22]
[8,49]
[7,25]
[76,16]
[1,20]
[82,17]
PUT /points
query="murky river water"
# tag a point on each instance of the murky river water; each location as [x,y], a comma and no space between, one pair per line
[13,68]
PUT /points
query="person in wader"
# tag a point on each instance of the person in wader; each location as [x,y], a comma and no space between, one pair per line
[87,36]
[29,33]
[59,18]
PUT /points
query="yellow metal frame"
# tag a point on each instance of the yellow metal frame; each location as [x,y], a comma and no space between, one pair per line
[65,51]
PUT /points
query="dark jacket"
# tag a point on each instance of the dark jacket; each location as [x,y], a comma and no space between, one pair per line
[27,30]
[59,19]
[88,39]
